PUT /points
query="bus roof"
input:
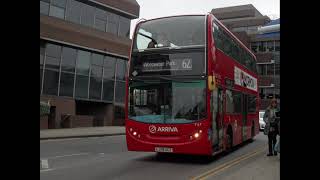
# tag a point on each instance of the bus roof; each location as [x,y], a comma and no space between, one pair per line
[140,21]
[145,20]
[226,29]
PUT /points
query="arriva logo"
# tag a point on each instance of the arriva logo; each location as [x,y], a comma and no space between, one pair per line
[154,129]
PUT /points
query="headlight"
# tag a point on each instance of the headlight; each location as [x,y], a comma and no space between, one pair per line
[196,135]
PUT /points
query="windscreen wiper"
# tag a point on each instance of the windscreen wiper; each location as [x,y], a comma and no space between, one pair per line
[153,40]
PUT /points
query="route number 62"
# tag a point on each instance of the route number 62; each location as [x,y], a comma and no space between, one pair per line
[187,64]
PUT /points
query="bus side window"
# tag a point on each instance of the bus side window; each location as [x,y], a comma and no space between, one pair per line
[217,36]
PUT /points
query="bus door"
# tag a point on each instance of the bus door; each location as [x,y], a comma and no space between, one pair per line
[244,116]
[217,115]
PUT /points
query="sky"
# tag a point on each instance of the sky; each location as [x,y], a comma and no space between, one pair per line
[158,8]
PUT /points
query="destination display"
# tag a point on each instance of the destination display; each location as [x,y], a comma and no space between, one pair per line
[242,78]
[184,64]
[168,64]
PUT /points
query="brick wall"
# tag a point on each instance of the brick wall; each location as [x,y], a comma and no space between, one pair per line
[44,122]
[63,106]
[82,121]
[264,57]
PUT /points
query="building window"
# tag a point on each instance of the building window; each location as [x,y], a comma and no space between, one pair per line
[87,15]
[96,76]
[82,78]
[239,29]
[69,57]
[44,7]
[82,74]
[270,46]
[108,78]
[97,59]
[124,27]
[41,72]
[262,46]
[53,55]
[66,84]
[261,94]
[254,46]
[57,8]
[51,80]
[113,23]
[109,67]
[121,69]
[262,69]
[108,87]
[120,91]
[277,45]
[95,87]
[270,69]
[96,71]
[42,50]
[100,21]
[74,11]
[82,84]
[83,63]
[120,83]
[277,69]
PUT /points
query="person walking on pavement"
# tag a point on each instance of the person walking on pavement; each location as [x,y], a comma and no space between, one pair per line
[271,128]
[277,146]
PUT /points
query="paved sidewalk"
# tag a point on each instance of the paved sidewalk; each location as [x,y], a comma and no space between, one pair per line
[258,168]
[81,132]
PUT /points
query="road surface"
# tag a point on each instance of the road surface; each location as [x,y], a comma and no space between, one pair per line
[102,158]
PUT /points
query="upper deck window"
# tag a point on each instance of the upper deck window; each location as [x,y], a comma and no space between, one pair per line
[171,32]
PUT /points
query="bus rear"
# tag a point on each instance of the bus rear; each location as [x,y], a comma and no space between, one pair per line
[166,101]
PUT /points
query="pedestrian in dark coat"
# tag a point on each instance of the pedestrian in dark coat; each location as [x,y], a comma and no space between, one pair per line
[271,128]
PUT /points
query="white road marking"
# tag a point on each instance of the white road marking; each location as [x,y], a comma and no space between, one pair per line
[68,155]
[46,170]
[44,164]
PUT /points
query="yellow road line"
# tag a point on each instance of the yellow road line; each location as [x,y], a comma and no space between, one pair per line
[229,164]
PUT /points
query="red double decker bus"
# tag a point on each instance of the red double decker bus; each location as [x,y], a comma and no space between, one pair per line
[192,87]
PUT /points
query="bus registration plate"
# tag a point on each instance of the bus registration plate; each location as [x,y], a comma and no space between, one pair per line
[163,149]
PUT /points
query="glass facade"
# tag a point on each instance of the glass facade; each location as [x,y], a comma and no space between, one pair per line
[81,74]
[92,15]
[265,46]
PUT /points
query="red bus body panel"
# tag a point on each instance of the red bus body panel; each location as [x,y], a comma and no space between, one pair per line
[179,141]
[221,66]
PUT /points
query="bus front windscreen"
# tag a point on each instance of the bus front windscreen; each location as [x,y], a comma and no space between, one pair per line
[167,101]
[179,31]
